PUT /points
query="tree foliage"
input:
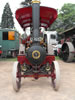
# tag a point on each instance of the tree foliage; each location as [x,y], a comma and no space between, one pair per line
[26,3]
[67,15]
[7,18]
[56,25]
[66,18]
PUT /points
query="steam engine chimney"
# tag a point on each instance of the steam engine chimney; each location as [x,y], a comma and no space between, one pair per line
[36,19]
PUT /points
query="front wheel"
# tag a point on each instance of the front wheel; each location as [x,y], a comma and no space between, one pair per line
[16,80]
[56,79]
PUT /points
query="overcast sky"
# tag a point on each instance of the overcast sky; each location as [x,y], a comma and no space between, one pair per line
[15,4]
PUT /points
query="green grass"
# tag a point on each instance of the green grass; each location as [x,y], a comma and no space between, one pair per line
[8,59]
[57,58]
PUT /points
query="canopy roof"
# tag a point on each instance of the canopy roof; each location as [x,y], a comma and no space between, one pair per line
[47,16]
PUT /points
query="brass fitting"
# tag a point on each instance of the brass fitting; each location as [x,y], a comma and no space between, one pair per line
[35,1]
[24,68]
[33,54]
[48,67]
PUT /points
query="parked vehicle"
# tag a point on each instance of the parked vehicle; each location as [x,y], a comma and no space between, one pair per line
[52,39]
[0,50]
[9,41]
[67,39]
[36,57]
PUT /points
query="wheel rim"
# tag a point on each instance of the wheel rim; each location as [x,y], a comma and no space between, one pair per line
[16,80]
[53,82]
[67,49]
[56,79]
[19,78]
[53,72]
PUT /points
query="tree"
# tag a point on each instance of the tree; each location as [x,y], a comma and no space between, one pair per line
[66,18]
[7,18]
[56,25]
[26,3]
[67,15]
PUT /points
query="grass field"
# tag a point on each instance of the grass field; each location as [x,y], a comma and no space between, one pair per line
[57,58]
[8,59]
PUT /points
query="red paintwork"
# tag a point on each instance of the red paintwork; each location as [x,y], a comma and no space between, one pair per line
[37,75]
[49,59]
[47,16]
[34,75]
[24,17]
[22,59]
[25,40]
[0,52]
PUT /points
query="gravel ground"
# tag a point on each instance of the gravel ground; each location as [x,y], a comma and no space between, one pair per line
[40,89]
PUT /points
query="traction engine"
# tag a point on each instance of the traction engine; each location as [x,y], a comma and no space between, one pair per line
[36,57]
[67,52]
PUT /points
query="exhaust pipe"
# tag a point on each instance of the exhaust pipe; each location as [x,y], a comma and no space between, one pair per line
[36,19]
